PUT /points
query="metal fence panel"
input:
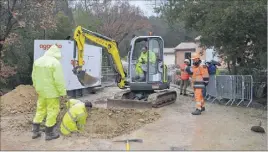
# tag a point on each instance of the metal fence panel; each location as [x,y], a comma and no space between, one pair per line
[232,87]
[247,86]
[225,87]
[211,91]
[108,75]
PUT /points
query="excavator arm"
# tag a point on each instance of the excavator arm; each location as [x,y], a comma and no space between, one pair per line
[80,35]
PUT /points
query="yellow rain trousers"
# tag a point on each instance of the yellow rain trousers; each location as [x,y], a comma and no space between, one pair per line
[143,57]
[48,81]
[75,118]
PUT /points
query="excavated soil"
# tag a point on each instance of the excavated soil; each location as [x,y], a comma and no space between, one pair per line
[108,123]
[101,123]
[18,108]
[20,100]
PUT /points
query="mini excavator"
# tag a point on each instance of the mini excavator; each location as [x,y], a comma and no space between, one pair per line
[154,90]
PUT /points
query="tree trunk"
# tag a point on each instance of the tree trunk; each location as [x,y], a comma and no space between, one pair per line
[234,69]
[229,68]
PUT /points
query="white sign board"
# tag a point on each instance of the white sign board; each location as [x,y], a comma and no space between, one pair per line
[92,58]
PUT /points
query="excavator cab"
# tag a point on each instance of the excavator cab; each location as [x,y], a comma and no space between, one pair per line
[146,75]
[147,71]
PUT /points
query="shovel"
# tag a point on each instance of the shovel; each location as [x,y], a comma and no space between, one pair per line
[86,79]
[129,140]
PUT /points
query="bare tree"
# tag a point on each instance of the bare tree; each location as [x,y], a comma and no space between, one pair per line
[18,14]
[120,19]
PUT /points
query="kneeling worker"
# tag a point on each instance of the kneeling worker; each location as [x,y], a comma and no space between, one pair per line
[75,118]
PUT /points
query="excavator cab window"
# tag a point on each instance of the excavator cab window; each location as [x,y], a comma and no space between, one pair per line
[155,57]
[146,56]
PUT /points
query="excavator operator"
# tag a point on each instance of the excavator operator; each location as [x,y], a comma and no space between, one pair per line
[141,66]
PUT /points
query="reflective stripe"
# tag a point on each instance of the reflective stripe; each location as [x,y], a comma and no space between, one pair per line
[71,101]
[198,103]
[199,86]
[205,78]
[69,113]
[65,127]
[80,115]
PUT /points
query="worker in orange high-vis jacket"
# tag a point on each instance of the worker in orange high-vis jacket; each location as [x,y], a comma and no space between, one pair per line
[184,77]
[205,70]
[199,78]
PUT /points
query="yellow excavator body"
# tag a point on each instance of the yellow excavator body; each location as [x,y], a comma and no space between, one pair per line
[153,91]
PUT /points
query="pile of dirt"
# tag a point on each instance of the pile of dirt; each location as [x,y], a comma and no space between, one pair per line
[20,100]
[101,123]
[16,123]
[109,123]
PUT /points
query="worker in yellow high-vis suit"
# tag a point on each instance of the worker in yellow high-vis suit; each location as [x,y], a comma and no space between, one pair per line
[75,118]
[142,63]
[48,81]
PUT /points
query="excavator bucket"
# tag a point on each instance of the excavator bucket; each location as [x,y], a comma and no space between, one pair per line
[86,79]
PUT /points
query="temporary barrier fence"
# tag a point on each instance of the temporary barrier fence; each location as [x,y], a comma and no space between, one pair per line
[231,87]
[234,88]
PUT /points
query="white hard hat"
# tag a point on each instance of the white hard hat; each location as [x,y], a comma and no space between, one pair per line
[186,60]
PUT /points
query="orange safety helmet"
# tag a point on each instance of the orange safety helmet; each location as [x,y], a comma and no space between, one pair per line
[195,56]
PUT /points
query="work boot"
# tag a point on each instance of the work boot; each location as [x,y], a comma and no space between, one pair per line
[36,131]
[180,93]
[203,109]
[196,112]
[51,133]
[185,94]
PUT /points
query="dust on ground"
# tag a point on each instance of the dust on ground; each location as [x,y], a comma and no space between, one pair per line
[218,128]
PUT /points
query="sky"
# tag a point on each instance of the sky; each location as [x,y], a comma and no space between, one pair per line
[146,6]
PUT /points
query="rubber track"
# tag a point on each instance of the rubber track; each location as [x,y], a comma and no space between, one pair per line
[156,100]
[163,98]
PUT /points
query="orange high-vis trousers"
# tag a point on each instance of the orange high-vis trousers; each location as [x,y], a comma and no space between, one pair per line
[199,98]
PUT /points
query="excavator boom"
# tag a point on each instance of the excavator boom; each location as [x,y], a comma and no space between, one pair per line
[80,35]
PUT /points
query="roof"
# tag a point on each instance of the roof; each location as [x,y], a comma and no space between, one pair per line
[186,45]
[169,50]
